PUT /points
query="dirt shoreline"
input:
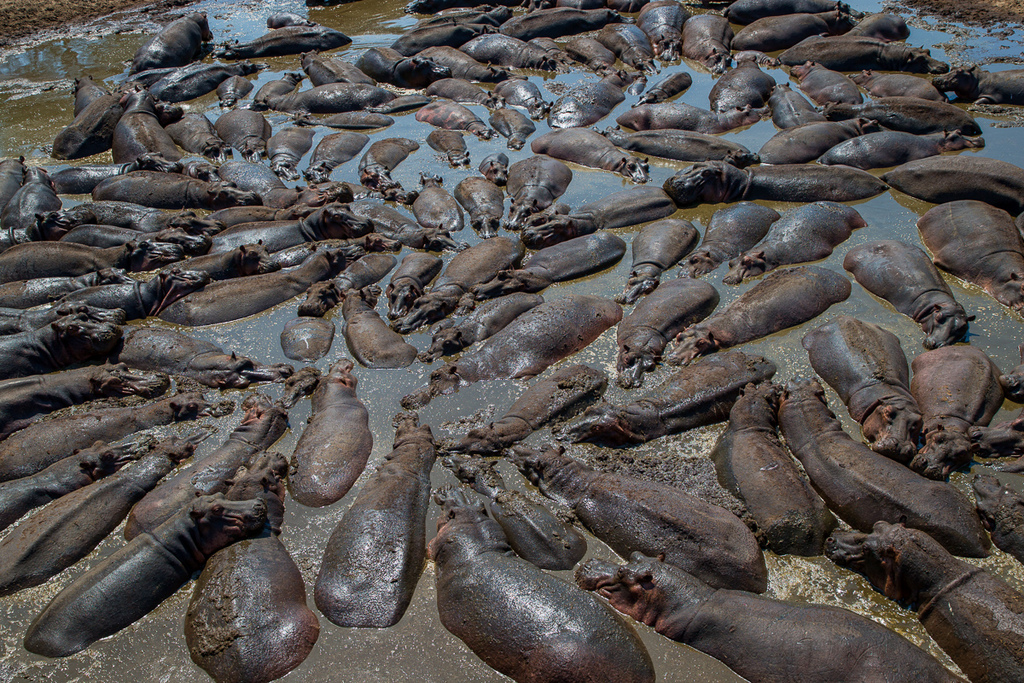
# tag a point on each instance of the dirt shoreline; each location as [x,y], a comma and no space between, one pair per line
[978,12]
[23,18]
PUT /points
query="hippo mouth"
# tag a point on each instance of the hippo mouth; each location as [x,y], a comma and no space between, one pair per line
[598,576]
[113,316]
[846,549]
[987,492]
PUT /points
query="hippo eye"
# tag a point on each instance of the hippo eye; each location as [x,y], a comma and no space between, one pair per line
[217,509]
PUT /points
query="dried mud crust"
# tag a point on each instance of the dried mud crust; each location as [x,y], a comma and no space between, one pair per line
[977,12]
[23,18]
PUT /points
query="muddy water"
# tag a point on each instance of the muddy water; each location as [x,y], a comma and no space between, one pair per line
[34,86]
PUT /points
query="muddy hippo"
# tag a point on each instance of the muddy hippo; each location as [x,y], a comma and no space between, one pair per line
[139,131]
[893,148]
[385,65]
[329,222]
[476,570]
[480,263]
[484,202]
[587,103]
[453,35]
[503,50]
[667,88]
[333,449]
[195,134]
[453,116]
[332,151]
[855,53]
[465,92]
[809,141]
[371,341]
[67,530]
[434,208]
[907,114]
[482,323]
[12,176]
[135,217]
[394,225]
[494,167]
[637,515]
[104,600]
[646,331]
[882,25]
[971,83]
[464,66]
[951,179]
[534,184]
[682,145]
[232,90]
[863,487]
[865,365]
[904,276]
[140,299]
[290,40]
[558,263]
[658,247]
[790,109]
[247,259]
[785,298]
[744,86]
[172,191]
[195,80]
[1003,439]
[513,125]
[714,182]
[707,39]
[617,210]
[367,579]
[149,348]
[730,232]
[897,85]
[176,44]
[451,143]
[682,116]
[527,346]
[323,69]
[92,130]
[15,320]
[66,341]
[285,149]
[19,218]
[382,157]
[592,54]
[522,93]
[409,282]
[957,387]
[753,465]
[824,85]
[784,31]
[808,233]
[972,614]
[999,507]
[663,22]
[630,44]
[773,641]
[996,264]
[66,259]
[745,12]
[558,22]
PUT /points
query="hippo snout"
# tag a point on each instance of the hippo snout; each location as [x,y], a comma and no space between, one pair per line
[595,574]
[846,548]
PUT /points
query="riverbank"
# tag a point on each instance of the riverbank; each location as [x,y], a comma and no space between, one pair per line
[976,13]
[21,18]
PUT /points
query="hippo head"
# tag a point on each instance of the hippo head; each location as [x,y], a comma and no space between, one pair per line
[1003,439]
[634,360]
[801,70]
[77,338]
[112,276]
[946,323]
[708,182]
[193,224]
[1013,382]
[401,297]
[263,479]
[469,518]
[865,125]
[896,560]
[53,225]
[189,406]
[203,24]
[692,344]
[991,494]
[144,256]
[118,380]
[113,316]
[338,223]
[742,158]
[220,522]
[100,460]
[718,61]
[953,140]
[964,81]
[425,310]
[545,229]
[494,167]
[699,263]
[863,78]
[248,68]
[175,284]
[341,373]
[919,60]
[445,342]
[944,450]
[633,168]
[223,195]
[136,96]
[154,161]
[751,264]
[298,384]
[893,429]
[320,298]
[606,425]
[741,116]
[168,113]
[419,72]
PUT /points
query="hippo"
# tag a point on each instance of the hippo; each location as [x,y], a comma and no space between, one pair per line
[86,466]
[139,131]
[329,222]
[964,393]
[371,341]
[999,507]
[83,179]
[486,320]
[646,331]
[418,39]
[558,263]
[385,65]
[262,424]
[863,487]
[714,182]
[247,259]
[333,449]
[971,83]
[276,88]
[476,570]
[285,149]
[19,218]
[955,178]
[533,532]
[87,91]
[67,259]
[247,619]
[453,116]
[503,50]
[517,92]
[754,466]
[730,232]
[510,124]
[659,246]
[229,300]
[172,191]
[773,642]
[12,177]
[245,130]
[15,320]
[382,157]
[748,11]
[897,85]
[194,133]
[592,54]
[668,88]
[323,69]
[825,86]
[682,145]
[463,66]
[479,263]
[1013,381]
[484,202]
[176,44]
[140,299]
[743,86]
[465,92]
[258,178]
[707,39]
[526,347]
[996,264]
[630,44]
[784,298]
[307,339]
[410,281]
[290,40]
[393,225]
[790,109]
[24,400]
[904,276]
[434,208]
[882,25]
[784,31]
[865,365]
[682,116]
[587,103]
[972,614]
[195,80]
[135,217]
[149,348]
[92,130]
[67,530]
[554,52]
[232,90]
[534,184]
[638,515]
[617,210]
[855,53]
[807,142]
[807,233]
[367,579]
[451,143]
[907,114]
[558,22]
[1004,439]
[332,151]
[66,341]
[100,602]
[662,21]
[893,148]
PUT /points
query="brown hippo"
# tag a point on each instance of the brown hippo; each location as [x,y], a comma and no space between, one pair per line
[66,341]
[176,44]
[659,246]
[892,148]
[486,320]
[1000,508]
[854,53]
[960,179]
[731,231]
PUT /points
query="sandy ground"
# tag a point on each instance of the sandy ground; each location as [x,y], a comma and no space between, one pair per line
[19,18]
[971,12]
